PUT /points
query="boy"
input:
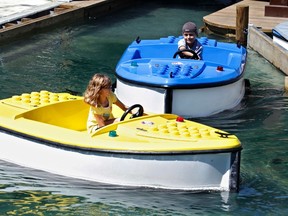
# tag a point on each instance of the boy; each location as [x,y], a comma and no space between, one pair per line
[189,42]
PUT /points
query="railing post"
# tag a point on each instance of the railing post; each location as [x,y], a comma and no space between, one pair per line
[242,19]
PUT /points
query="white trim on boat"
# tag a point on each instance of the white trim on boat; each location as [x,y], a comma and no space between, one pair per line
[189,103]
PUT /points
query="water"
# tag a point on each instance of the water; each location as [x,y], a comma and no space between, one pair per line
[67,57]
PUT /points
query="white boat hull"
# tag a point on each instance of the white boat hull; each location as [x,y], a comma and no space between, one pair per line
[280,42]
[190,103]
[204,171]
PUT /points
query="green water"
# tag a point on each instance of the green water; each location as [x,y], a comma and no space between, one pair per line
[67,57]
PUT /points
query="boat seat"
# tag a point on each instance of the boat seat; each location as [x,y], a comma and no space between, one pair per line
[68,114]
[145,51]
[71,114]
[221,56]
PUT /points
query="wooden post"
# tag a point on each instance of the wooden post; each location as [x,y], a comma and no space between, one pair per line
[242,18]
[286,83]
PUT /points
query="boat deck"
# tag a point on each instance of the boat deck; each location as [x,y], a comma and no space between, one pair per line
[224,20]
[60,119]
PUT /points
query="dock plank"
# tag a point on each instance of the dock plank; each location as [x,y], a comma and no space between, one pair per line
[224,20]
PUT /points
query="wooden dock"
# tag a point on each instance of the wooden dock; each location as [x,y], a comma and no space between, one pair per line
[224,21]
[22,23]
[264,45]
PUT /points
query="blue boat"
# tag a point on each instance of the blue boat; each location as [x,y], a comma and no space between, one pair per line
[150,72]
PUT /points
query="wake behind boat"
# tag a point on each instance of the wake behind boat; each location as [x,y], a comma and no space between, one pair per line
[150,73]
[47,131]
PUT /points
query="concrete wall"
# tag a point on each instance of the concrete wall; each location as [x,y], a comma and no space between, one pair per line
[264,45]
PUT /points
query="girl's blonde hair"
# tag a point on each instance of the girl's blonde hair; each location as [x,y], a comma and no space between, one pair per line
[97,82]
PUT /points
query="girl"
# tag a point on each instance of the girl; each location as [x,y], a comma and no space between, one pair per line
[100,98]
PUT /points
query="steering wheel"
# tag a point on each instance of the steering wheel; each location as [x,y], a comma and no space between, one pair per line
[180,53]
[137,114]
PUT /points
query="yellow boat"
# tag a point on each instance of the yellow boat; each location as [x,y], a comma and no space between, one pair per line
[47,131]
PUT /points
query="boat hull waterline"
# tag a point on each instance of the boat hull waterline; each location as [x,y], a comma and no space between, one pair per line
[189,103]
[179,172]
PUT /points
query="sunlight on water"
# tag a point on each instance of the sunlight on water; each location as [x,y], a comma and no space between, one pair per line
[67,57]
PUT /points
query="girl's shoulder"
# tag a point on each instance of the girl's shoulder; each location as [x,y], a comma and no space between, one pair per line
[112,96]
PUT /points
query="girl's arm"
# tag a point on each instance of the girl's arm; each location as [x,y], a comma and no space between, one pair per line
[121,105]
[100,120]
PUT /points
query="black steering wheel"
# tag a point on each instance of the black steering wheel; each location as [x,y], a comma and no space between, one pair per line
[180,53]
[137,114]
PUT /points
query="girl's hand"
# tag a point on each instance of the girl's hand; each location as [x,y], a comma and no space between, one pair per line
[100,120]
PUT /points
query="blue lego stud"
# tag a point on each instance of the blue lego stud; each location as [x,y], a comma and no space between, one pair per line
[112,133]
